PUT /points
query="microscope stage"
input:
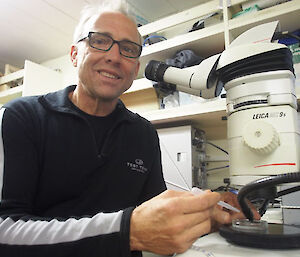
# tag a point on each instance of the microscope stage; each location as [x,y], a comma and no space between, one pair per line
[277,236]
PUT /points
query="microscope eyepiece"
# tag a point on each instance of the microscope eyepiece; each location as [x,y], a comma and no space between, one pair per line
[155,70]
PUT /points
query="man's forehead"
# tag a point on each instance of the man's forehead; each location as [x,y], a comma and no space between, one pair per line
[115,24]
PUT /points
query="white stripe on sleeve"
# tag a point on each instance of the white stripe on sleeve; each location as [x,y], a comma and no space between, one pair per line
[51,232]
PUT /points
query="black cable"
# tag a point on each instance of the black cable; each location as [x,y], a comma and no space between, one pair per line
[218,147]
[218,168]
[262,184]
[288,191]
[263,208]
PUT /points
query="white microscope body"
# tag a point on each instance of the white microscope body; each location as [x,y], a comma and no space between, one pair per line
[263,129]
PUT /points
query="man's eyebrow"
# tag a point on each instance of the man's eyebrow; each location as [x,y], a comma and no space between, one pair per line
[109,34]
[105,33]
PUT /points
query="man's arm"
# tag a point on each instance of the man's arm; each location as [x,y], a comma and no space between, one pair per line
[101,235]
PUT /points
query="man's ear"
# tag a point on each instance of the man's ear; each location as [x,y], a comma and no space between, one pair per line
[73,54]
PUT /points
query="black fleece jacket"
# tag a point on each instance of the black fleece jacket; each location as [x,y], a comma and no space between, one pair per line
[62,193]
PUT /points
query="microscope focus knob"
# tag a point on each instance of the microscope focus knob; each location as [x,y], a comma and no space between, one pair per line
[261,137]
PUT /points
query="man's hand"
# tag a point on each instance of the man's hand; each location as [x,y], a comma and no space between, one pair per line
[172,221]
[222,216]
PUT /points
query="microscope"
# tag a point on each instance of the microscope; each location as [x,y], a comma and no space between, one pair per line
[263,130]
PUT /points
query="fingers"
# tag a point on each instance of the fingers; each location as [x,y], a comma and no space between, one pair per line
[187,221]
[232,199]
[256,215]
[201,229]
[185,239]
[173,193]
[221,217]
[197,203]
[225,216]
[171,221]
[190,210]
[186,202]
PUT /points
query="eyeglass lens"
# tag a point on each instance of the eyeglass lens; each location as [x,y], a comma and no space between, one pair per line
[105,42]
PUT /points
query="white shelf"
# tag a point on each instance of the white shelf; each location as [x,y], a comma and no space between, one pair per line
[197,12]
[186,112]
[206,115]
[179,18]
[288,14]
[10,94]
[140,84]
[12,76]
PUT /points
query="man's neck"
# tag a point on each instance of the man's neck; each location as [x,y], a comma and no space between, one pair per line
[90,105]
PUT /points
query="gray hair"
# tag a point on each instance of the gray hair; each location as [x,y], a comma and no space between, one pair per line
[92,11]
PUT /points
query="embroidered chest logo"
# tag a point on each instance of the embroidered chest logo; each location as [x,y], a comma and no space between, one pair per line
[138,166]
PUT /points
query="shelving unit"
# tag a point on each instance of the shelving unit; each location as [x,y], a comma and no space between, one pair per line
[36,80]
[14,92]
[205,42]
[287,13]
[10,94]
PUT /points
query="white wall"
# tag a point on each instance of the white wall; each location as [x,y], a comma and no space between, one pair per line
[64,64]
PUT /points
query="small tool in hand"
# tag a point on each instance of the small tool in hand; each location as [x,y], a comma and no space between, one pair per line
[197,191]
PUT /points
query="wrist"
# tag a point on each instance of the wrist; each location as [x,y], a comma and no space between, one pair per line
[134,241]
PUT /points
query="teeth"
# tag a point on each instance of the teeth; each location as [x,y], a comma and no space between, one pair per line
[109,75]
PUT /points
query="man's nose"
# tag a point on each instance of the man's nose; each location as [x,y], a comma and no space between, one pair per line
[114,52]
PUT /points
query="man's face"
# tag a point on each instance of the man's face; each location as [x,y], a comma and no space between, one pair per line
[106,75]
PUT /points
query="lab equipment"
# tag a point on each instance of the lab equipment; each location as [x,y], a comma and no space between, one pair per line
[263,130]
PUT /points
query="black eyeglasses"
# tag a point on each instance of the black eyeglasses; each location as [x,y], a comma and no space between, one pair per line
[105,42]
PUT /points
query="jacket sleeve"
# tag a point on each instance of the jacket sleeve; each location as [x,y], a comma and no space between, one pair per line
[22,232]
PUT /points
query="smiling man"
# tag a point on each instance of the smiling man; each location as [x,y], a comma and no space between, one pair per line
[80,175]
[107,61]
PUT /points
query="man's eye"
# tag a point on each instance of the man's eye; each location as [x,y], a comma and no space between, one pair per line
[128,49]
[100,41]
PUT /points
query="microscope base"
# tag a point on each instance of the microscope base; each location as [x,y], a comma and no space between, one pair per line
[278,236]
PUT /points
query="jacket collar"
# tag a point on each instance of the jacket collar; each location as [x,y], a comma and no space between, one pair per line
[59,101]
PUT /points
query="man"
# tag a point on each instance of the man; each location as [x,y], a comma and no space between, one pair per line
[76,163]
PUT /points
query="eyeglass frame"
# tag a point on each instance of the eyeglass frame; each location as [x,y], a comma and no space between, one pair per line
[113,42]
